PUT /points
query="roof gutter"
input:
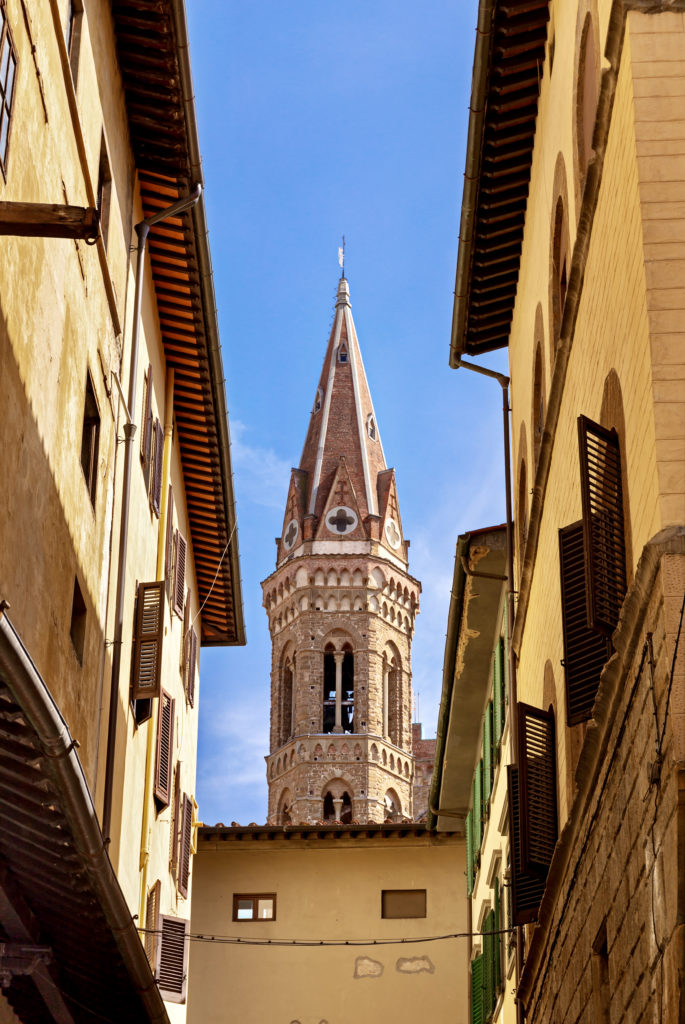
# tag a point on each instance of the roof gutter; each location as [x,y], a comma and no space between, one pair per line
[33,696]
[469,201]
[216,368]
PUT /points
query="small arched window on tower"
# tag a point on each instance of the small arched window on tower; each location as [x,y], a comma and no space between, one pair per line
[338,689]
[559,268]
[318,401]
[347,695]
[337,809]
[329,688]
[342,353]
[371,427]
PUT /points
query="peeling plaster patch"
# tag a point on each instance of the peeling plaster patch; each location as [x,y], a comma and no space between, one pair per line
[365,967]
[414,965]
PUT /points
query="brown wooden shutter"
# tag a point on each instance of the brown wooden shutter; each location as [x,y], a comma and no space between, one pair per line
[165,740]
[179,573]
[538,788]
[186,838]
[147,647]
[156,491]
[585,650]
[175,819]
[169,552]
[526,890]
[602,496]
[172,958]
[192,664]
[151,922]
[146,433]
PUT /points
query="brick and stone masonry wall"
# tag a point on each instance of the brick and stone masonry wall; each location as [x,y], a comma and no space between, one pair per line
[612,935]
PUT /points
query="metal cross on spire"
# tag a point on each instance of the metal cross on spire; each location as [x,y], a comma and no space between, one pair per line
[341,256]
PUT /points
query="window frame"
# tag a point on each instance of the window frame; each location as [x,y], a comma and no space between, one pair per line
[255,897]
[8,107]
[403,917]
[91,423]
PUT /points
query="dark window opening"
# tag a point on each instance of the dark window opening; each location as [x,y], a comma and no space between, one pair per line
[328,808]
[328,690]
[287,703]
[347,699]
[90,439]
[337,809]
[342,354]
[586,99]
[600,976]
[559,272]
[104,192]
[8,65]
[397,903]
[77,630]
[73,35]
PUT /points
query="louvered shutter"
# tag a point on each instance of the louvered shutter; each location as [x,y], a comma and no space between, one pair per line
[585,650]
[538,788]
[487,757]
[147,646]
[498,693]
[526,890]
[477,809]
[151,922]
[179,573]
[156,491]
[477,1016]
[603,527]
[185,843]
[172,958]
[488,965]
[165,740]
[498,938]
[468,828]
[146,433]
[175,821]
[192,662]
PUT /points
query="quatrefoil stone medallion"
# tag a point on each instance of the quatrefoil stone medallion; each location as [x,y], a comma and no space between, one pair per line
[341,520]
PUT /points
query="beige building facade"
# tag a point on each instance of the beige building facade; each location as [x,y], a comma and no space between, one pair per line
[118,546]
[575,241]
[348,909]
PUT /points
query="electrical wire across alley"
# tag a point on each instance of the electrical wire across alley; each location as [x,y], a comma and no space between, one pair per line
[234,940]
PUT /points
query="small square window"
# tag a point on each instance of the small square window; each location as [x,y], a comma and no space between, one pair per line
[397,903]
[254,907]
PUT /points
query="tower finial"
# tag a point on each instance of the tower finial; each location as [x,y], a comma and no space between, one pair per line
[341,257]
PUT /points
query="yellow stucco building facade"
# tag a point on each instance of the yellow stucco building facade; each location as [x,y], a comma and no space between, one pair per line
[118,545]
[572,254]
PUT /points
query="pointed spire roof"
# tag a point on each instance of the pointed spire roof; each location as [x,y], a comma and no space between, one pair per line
[343,425]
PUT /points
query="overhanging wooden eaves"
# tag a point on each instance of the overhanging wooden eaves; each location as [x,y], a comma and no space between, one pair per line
[158,93]
[508,68]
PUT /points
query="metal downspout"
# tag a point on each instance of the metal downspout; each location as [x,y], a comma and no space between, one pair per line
[142,229]
[504,381]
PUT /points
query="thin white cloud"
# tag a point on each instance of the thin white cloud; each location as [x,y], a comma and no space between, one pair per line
[261,475]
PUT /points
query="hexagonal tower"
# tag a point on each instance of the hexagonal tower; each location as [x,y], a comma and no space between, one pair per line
[341,607]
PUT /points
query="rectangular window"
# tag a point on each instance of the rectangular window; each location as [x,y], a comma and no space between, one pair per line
[538,788]
[72,35]
[146,432]
[526,889]
[8,67]
[147,641]
[185,844]
[169,542]
[151,921]
[104,193]
[157,463]
[254,906]
[396,903]
[90,439]
[165,747]
[77,630]
[179,573]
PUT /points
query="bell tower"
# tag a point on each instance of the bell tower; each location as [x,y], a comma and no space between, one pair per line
[341,607]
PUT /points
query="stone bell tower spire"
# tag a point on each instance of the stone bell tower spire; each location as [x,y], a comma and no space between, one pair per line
[341,607]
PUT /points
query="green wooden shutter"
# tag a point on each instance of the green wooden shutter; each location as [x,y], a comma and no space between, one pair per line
[477,808]
[498,693]
[488,772]
[477,1016]
[469,853]
[488,965]
[498,939]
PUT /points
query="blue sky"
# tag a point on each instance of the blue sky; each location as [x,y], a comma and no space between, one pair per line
[318,120]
